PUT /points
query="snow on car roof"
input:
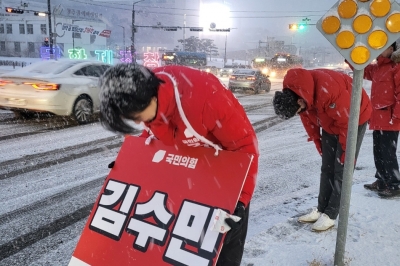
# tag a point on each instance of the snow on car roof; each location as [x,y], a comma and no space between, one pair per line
[245,71]
[48,67]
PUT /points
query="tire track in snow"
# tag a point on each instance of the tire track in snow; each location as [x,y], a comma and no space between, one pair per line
[13,168]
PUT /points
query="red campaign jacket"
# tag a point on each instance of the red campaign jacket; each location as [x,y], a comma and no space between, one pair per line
[213,112]
[327,94]
[385,94]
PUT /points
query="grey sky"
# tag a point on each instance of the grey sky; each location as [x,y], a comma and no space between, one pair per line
[254,19]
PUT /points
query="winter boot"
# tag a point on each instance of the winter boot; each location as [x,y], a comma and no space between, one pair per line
[310,217]
[323,223]
[390,191]
[378,185]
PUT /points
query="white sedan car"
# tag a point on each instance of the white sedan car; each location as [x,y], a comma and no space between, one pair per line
[64,87]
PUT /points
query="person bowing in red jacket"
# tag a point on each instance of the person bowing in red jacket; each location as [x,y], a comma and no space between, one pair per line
[385,120]
[322,99]
[173,102]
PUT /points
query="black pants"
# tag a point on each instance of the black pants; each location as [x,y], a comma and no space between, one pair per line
[232,252]
[385,147]
[332,172]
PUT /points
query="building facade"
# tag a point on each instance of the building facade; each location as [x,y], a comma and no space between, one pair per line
[23,35]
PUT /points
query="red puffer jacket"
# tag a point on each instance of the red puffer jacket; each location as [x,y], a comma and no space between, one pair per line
[213,112]
[327,94]
[385,94]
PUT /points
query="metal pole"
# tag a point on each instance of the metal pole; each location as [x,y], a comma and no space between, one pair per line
[50,30]
[133,34]
[55,29]
[123,36]
[73,38]
[133,48]
[226,39]
[55,34]
[123,40]
[348,166]
[184,26]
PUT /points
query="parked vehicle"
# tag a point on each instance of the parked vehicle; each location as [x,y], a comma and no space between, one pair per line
[64,87]
[249,79]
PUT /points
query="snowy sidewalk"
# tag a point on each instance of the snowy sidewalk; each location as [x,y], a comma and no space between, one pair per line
[372,235]
[287,187]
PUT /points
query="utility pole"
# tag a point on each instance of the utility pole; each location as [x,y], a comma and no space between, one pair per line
[226,40]
[50,30]
[123,39]
[133,48]
[55,25]
[184,26]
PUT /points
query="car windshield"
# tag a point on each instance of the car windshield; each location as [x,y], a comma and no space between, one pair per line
[245,72]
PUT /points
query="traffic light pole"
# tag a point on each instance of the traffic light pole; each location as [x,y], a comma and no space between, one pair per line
[348,170]
[50,30]
[133,34]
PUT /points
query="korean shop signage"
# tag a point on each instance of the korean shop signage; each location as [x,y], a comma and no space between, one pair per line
[157,204]
[88,30]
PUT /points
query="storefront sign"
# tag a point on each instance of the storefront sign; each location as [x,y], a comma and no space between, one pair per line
[89,30]
[158,204]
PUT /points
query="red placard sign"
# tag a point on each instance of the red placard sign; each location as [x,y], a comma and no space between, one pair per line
[157,205]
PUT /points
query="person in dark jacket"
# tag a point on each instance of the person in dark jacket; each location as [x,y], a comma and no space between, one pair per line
[133,92]
[322,99]
[385,120]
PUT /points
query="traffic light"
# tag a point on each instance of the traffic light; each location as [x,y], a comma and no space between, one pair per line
[14,10]
[297,26]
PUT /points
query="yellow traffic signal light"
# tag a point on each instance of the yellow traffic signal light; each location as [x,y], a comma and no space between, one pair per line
[297,26]
[360,30]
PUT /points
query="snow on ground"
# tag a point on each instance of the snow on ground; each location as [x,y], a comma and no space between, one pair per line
[276,238]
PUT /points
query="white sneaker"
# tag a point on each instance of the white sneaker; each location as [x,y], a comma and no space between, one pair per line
[310,217]
[323,223]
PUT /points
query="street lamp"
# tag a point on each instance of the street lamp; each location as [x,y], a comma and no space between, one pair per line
[123,39]
[133,49]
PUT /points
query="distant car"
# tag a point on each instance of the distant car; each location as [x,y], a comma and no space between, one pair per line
[225,72]
[64,87]
[209,69]
[249,79]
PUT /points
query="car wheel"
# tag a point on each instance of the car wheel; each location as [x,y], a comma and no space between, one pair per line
[268,88]
[257,89]
[83,109]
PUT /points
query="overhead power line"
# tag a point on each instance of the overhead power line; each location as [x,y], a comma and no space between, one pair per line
[195,15]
